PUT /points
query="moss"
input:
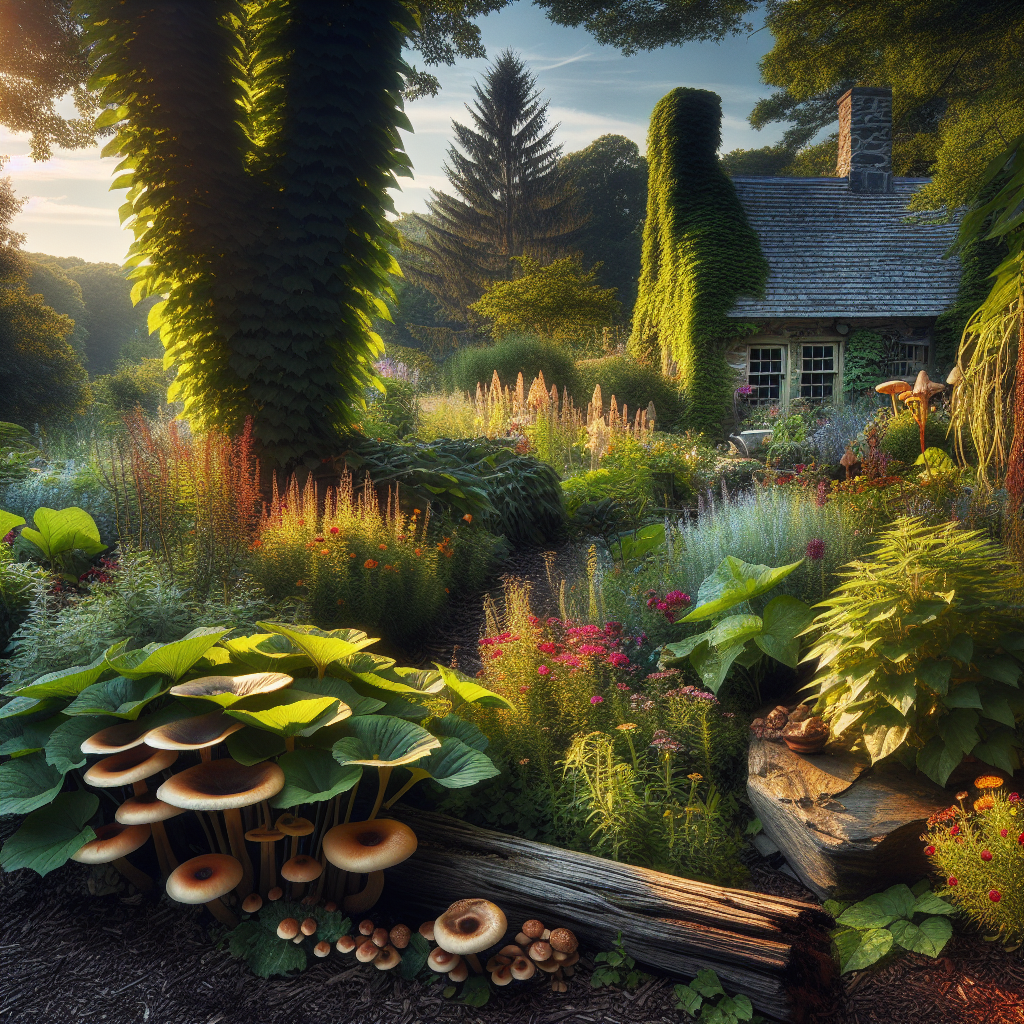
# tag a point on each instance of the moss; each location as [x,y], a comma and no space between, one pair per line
[699,255]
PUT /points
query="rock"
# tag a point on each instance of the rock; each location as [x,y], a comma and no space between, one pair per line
[800,713]
[777,719]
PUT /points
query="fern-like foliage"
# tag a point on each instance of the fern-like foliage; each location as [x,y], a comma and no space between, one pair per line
[258,141]
[699,254]
[921,650]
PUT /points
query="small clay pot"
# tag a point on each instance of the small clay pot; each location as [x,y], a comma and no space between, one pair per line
[806,737]
[809,745]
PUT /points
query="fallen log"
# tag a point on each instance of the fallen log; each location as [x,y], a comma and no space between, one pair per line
[775,951]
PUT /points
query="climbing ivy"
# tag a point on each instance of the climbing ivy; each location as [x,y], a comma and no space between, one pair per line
[863,362]
[699,254]
[258,141]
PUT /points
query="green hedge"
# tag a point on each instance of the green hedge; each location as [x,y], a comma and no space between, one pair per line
[631,383]
[510,356]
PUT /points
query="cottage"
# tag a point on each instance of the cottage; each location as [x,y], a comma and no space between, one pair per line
[845,256]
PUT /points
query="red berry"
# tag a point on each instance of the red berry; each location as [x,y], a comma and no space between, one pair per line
[986,855]
[955,830]
[929,850]
[994,895]
[953,881]
[1003,832]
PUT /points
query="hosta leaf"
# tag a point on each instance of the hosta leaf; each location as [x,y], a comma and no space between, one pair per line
[884,732]
[713,663]
[8,521]
[469,692]
[858,949]
[68,682]
[383,741]
[172,660]
[267,652]
[735,629]
[28,709]
[312,775]
[330,686]
[958,729]
[785,619]
[49,836]
[250,746]
[675,655]
[999,749]
[27,783]
[733,582]
[455,765]
[455,725]
[323,648]
[285,712]
[66,529]
[935,675]
[928,938]
[64,744]
[931,903]
[123,698]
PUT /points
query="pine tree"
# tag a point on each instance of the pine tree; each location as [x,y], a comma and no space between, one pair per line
[511,198]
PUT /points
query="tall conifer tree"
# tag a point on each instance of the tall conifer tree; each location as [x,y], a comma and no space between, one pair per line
[510,196]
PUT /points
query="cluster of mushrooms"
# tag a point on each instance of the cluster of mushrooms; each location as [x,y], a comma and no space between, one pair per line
[219,792]
[919,397]
[798,728]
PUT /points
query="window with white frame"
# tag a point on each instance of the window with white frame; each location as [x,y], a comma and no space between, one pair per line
[817,372]
[764,375]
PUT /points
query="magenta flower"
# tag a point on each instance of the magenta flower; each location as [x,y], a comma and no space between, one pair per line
[618,660]
[816,550]
[543,670]
[622,686]
[821,498]
[596,700]
[592,649]
[547,648]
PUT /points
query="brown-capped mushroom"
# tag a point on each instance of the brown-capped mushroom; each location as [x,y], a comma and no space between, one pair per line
[199,733]
[205,879]
[548,966]
[275,893]
[468,927]
[330,906]
[265,838]
[533,929]
[568,959]
[288,928]
[227,689]
[387,958]
[366,927]
[442,961]
[252,903]
[308,926]
[892,388]
[459,973]
[301,870]
[523,968]
[148,809]
[562,940]
[322,948]
[294,827]
[427,930]
[523,939]
[502,975]
[345,944]
[496,961]
[112,845]
[379,937]
[539,950]
[135,764]
[400,936]
[367,952]
[116,738]
[366,846]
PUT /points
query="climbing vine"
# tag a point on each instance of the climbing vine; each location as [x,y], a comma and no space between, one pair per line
[863,362]
[699,254]
[258,140]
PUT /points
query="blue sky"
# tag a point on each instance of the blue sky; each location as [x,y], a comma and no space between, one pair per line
[592,90]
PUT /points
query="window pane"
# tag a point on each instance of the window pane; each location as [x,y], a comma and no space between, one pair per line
[764,375]
[908,360]
[818,367]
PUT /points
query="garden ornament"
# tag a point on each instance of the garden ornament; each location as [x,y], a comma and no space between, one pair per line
[892,388]
[469,927]
[205,879]
[848,461]
[112,845]
[807,736]
[201,733]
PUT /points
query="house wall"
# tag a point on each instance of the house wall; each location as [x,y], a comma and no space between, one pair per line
[792,335]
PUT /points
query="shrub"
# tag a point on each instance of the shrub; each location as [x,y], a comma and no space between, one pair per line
[921,649]
[511,356]
[902,438]
[863,362]
[988,889]
[632,385]
[447,417]
[830,441]
[133,385]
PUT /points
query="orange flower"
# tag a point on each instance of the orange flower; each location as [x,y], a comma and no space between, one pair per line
[352,554]
[988,782]
[324,551]
[370,564]
[341,601]
[383,547]
[984,803]
[418,552]
[257,544]
[299,583]
[387,568]
[467,518]
[415,511]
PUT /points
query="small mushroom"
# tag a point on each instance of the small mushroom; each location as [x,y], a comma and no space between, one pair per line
[512,951]
[427,930]
[497,961]
[275,894]
[468,927]
[558,985]
[252,903]
[522,939]
[112,845]
[366,927]
[322,948]
[289,825]
[345,944]
[379,937]
[300,870]
[502,975]
[129,766]
[147,809]
[330,906]
[570,960]
[205,879]
[308,927]
[298,938]
[562,940]
[533,929]
[201,733]
[459,973]
[548,966]
[442,961]
[400,936]
[540,950]
[892,388]
[288,928]
[523,968]
[387,958]
[367,952]
[848,461]
[116,738]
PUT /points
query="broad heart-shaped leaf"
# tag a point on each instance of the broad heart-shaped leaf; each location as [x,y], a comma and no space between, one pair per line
[937,760]
[454,725]
[455,765]
[899,690]
[964,695]
[384,742]
[860,949]
[264,952]
[64,744]
[785,618]
[414,957]
[285,712]
[123,698]
[65,530]
[999,749]
[469,692]
[735,629]
[713,663]
[880,909]
[267,652]
[707,984]
[330,686]
[961,647]
[172,660]
[928,938]
[675,655]
[28,709]
[959,729]
[1002,704]
[935,675]
[884,731]
[68,682]
[734,1008]
[1002,668]
[49,836]
[8,521]
[634,547]
[250,746]
[689,999]
[929,902]
[27,783]
[732,583]
[322,648]
[312,775]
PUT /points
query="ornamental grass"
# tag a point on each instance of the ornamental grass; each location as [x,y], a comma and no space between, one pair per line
[977,848]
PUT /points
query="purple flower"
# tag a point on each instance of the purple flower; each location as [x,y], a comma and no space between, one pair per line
[543,670]
[821,499]
[744,389]
[816,550]
[596,700]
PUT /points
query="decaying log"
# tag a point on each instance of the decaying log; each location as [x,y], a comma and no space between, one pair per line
[773,950]
[847,829]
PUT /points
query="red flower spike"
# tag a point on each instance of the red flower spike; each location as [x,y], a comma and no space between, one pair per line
[952,882]
[929,850]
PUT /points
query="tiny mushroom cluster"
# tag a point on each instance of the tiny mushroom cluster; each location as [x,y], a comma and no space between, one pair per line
[800,730]
[376,945]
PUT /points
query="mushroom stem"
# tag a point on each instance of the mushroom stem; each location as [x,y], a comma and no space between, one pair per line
[474,962]
[385,777]
[895,411]
[268,869]
[236,837]
[289,744]
[339,879]
[164,852]
[363,900]
[139,788]
[221,844]
[417,775]
[132,874]
[221,912]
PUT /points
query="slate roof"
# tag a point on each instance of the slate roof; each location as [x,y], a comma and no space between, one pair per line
[833,252]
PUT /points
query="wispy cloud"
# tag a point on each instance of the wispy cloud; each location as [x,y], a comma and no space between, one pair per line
[52,210]
[85,168]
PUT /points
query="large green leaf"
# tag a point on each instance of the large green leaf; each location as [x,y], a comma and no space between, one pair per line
[64,744]
[331,686]
[68,529]
[49,836]
[123,698]
[732,583]
[734,629]
[963,695]
[383,741]
[8,521]
[68,682]
[899,690]
[455,725]
[27,783]
[633,547]
[268,652]
[959,729]
[312,775]
[469,692]
[1002,668]
[928,937]
[860,949]
[675,655]
[999,703]
[884,731]
[285,712]
[322,647]
[264,952]
[929,902]
[937,760]
[785,619]
[28,709]
[172,660]
[999,749]
[455,765]
[250,746]
[713,663]
[935,675]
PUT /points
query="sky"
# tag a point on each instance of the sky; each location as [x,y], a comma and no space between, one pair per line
[592,90]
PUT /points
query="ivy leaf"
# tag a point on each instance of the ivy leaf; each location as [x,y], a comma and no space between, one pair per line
[312,775]
[935,675]
[66,529]
[345,692]
[735,629]
[267,652]
[27,783]
[476,990]
[28,709]
[688,999]
[1001,668]
[264,952]
[999,749]
[713,663]
[49,836]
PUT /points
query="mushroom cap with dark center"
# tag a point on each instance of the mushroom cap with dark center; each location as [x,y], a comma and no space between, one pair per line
[204,878]
[469,926]
[290,825]
[132,765]
[221,785]
[112,842]
[955,377]
[892,387]
[240,686]
[848,458]
[366,846]
[194,733]
[144,810]
[116,738]
[301,868]
[264,835]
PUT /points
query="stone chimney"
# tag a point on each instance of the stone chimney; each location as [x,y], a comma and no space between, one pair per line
[865,139]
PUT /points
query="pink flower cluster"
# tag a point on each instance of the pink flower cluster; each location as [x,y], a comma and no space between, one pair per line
[670,604]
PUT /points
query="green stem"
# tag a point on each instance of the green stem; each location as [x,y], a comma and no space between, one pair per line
[418,774]
[384,772]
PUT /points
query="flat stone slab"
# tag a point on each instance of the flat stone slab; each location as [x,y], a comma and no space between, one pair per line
[847,829]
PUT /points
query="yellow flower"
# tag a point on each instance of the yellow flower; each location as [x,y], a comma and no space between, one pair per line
[626,726]
[696,777]
[988,782]
[984,803]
